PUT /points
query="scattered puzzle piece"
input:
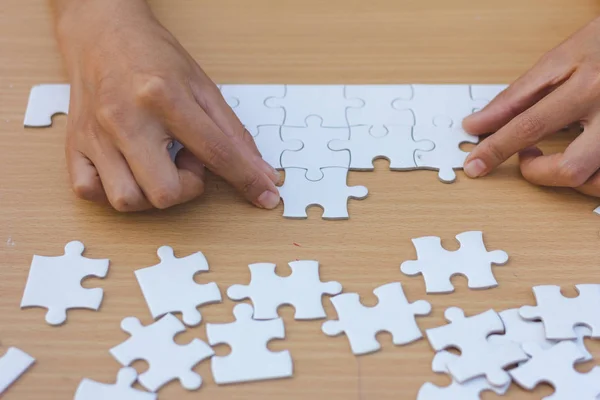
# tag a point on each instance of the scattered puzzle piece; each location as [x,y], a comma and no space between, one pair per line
[438,265]
[469,390]
[271,147]
[331,193]
[250,359]
[302,289]
[55,283]
[167,360]
[13,364]
[169,286]
[396,145]
[479,357]
[560,314]
[555,366]
[393,313]
[122,390]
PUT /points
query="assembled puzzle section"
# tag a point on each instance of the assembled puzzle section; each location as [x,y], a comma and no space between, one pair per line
[121,390]
[55,283]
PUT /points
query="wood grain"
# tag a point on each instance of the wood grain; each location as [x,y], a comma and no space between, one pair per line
[551,235]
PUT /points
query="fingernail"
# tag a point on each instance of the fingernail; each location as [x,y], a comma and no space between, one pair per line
[474,168]
[268,200]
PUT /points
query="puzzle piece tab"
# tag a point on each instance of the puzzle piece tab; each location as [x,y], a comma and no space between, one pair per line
[393,313]
[302,289]
[438,265]
[169,286]
[122,390]
[167,360]
[331,193]
[55,283]
[560,314]
[250,359]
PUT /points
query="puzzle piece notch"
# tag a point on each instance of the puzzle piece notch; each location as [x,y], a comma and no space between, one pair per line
[438,265]
[170,287]
[393,313]
[121,390]
[469,390]
[248,103]
[303,290]
[315,153]
[330,193]
[55,283]
[560,314]
[302,101]
[13,364]
[521,331]
[271,146]
[555,366]
[478,356]
[167,360]
[446,156]
[396,145]
[377,109]
[250,359]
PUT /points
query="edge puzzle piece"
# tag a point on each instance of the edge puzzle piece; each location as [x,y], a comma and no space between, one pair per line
[121,390]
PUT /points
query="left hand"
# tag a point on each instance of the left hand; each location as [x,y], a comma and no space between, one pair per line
[562,89]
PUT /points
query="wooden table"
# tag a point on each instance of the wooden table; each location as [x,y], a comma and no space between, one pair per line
[551,235]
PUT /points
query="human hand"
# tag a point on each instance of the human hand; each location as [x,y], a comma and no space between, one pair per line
[563,88]
[133,89]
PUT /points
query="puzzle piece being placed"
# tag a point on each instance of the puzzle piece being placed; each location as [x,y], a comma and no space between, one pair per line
[13,364]
[470,390]
[393,313]
[167,360]
[555,366]
[396,145]
[479,357]
[302,289]
[169,286]
[377,110]
[271,147]
[560,314]
[446,156]
[331,193]
[122,390]
[55,283]
[438,265]
[248,103]
[315,153]
[326,101]
[521,331]
[250,359]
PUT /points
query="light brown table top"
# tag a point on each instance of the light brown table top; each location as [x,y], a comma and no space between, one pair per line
[552,236]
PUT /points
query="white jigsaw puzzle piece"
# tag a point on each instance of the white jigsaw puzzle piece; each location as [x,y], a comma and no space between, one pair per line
[560,314]
[169,286]
[446,156]
[122,390]
[396,145]
[271,146]
[393,313]
[326,101]
[469,390]
[377,107]
[302,289]
[248,103]
[250,359]
[521,331]
[479,357]
[331,193]
[45,101]
[438,265]
[13,364]
[167,360]
[55,283]
[555,366]
[315,153]
[597,210]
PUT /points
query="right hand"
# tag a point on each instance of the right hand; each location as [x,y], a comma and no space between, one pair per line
[133,89]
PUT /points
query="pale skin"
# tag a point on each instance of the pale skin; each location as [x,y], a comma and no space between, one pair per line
[134,88]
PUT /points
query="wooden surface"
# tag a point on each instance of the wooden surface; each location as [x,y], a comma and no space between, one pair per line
[551,235]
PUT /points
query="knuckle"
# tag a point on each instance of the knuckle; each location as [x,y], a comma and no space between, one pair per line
[126,200]
[217,155]
[251,181]
[151,90]
[529,127]
[572,175]
[494,151]
[110,115]
[85,189]
[162,196]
